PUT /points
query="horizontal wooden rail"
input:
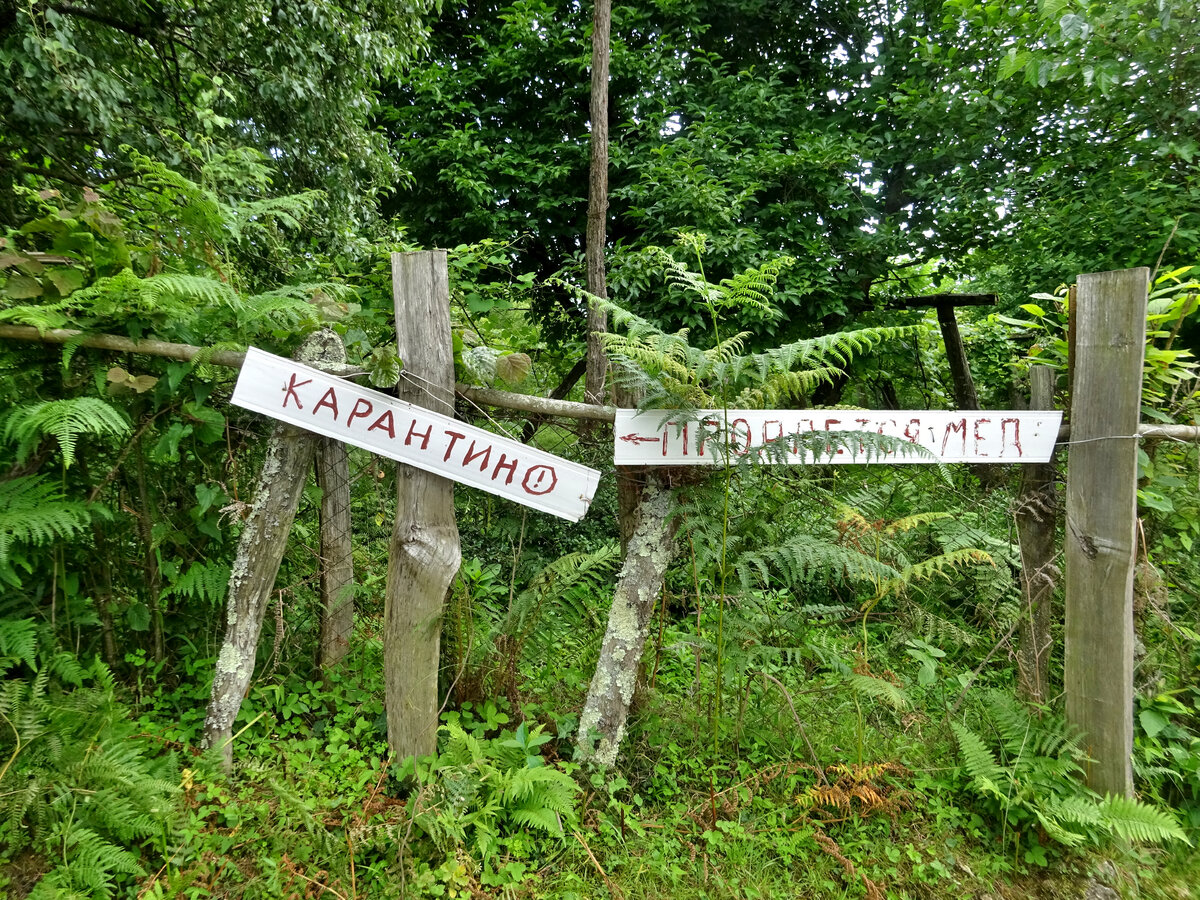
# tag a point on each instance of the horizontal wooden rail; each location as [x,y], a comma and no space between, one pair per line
[541,406]
[186,352]
[233,359]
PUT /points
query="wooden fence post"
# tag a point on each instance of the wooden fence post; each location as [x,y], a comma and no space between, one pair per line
[425,553]
[1110,335]
[1037,520]
[337,553]
[260,550]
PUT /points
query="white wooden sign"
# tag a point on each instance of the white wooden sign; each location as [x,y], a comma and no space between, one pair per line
[340,409]
[657,437]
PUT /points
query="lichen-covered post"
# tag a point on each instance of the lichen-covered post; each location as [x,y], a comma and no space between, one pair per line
[260,550]
[650,551]
[424,554]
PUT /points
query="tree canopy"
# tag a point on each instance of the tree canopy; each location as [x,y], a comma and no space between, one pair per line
[89,83]
[863,138]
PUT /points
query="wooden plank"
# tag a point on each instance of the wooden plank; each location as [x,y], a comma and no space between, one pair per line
[949,300]
[1110,332]
[661,437]
[597,214]
[413,434]
[1037,520]
[540,406]
[956,356]
[425,553]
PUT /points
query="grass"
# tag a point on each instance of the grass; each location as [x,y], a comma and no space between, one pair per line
[314,810]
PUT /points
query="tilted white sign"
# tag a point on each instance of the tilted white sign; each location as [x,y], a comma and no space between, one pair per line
[340,409]
[657,437]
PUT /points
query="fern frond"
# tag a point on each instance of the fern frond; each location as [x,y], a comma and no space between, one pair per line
[190,290]
[945,564]
[917,520]
[65,420]
[1132,820]
[203,581]
[1056,830]
[985,773]
[935,629]
[43,317]
[879,689]
[33,510]
[803,559]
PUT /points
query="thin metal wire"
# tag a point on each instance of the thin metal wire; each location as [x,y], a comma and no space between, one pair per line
[413,377]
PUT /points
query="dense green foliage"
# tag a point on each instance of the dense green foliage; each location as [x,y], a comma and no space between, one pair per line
[825,706]
[862,139]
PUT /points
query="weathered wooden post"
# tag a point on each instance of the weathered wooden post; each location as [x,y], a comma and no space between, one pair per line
[956,352]
[1037,520]
[260,550]
[337,553]
[425,552]
[1110,335]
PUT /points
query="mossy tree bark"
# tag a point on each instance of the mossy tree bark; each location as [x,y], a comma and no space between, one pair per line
[260,550]
[425,552]
[650,551]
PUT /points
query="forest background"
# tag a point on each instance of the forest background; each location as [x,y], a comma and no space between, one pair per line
[827,703]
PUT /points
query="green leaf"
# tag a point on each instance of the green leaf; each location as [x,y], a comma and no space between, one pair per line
[22,287]
[210,424]
[1153,721]
[1011,63]
[66,280]
[1072,26]
[514,367]
[138,617]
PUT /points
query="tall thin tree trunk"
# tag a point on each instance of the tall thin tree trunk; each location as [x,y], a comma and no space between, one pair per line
[153,578]
[337,561]
[602,722]
[260,550]
[597,230]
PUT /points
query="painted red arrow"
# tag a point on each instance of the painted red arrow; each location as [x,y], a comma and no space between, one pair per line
[635,438]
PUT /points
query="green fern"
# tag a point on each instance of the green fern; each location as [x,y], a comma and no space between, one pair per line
[1029,773]
[203,581]
[552,618]
[64,420]
[482,793]
[985,773]
[76,783]
[18,643]
[33,511]
[879,689]
[1132,820]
